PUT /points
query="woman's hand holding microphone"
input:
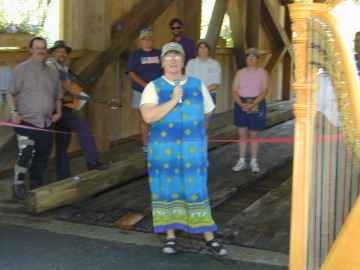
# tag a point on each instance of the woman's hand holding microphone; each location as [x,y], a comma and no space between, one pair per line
[177,94]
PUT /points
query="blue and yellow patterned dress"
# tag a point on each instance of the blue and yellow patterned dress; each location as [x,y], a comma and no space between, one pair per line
[177,163]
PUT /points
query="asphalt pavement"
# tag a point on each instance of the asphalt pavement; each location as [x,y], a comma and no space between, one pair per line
[31,249]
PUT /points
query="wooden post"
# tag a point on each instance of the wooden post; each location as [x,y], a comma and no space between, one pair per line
[100,114]
[288,60]
[94,31]
[287,77]
[237,14]
[98,25]
[192,18]
[69,191]
[253,22]
[74,16]
[216,22]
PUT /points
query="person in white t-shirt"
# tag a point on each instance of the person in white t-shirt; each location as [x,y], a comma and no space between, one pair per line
[205,68]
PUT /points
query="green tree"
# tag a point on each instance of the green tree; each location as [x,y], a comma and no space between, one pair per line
[27,16]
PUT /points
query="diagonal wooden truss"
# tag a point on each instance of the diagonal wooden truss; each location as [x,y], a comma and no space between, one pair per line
[281,44]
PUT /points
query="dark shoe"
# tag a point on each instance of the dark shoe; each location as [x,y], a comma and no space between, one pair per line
[169,247]
[19,192]
[216,248]
[98,165]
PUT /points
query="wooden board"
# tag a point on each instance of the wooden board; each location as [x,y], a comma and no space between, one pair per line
[20,40]
[128,221]
[69,190]
[265,224]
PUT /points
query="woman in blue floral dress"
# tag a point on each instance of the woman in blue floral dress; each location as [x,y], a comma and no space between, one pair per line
[176,106]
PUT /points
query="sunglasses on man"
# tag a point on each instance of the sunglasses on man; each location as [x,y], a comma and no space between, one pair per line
[176,27]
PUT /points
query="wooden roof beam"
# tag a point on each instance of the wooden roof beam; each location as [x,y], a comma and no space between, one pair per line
[280,40]
[272,24]
[276,58]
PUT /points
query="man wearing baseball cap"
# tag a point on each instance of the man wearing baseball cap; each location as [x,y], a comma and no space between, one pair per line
[143,66]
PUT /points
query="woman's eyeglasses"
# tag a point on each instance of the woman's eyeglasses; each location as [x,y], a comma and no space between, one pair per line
[172,57]
[175,27]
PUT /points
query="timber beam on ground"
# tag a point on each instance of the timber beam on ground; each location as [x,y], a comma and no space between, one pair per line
[125,31]
[72,190]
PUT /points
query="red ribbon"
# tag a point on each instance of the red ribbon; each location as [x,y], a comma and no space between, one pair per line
[324,138]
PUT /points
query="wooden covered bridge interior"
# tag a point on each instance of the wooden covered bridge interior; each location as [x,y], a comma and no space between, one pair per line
[297,39]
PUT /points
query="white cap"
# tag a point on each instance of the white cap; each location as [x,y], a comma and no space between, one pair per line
[172,46]
[145,33]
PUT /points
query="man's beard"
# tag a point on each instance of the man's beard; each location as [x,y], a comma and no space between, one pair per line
[60,60]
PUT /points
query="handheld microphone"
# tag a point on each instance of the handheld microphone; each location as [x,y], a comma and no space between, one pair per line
[177,83]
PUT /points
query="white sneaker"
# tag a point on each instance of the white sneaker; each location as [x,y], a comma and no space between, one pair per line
[254,166]
[240,165]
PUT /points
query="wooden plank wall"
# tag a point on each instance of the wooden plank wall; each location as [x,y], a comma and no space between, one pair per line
[226,57]
[224,100]
[87,26]
[124,122]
